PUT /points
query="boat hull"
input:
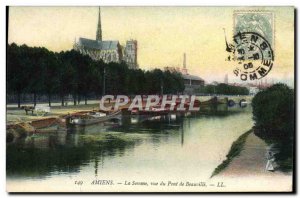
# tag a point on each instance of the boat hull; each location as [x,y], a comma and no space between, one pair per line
[89,121]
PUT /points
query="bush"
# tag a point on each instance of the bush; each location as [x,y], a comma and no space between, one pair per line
[273,112]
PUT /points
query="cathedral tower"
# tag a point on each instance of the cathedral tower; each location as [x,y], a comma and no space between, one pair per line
[99,29]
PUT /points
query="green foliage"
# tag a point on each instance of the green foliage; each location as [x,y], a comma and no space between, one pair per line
[236,148]
[223,89]
[35,70]
[273,111]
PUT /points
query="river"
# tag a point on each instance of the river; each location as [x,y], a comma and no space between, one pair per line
[174,149]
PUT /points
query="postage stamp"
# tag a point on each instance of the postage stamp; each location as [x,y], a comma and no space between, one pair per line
[261,22]
[253,43]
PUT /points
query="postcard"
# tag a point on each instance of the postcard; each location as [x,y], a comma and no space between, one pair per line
[150,99]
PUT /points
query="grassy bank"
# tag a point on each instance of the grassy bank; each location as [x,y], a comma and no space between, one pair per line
[234,151]
[15,115]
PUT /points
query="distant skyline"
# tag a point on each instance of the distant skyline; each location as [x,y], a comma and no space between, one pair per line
[163,34]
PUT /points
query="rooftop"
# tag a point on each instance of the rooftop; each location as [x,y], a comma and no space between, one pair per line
[191,77]
[100,45]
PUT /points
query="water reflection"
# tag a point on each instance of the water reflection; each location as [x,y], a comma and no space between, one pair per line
[68,152]
[42,155]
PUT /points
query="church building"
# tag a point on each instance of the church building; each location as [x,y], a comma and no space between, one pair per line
[108,50]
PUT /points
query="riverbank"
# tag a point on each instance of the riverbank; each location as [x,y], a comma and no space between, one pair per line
[248,169]
[15,115]
[236,148]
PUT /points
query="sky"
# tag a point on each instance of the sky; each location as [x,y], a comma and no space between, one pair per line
[163,34]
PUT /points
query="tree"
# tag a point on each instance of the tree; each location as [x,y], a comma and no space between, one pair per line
[42,69]
[17,78]
[36,70]
[85,76]
[51,79]
[66,75]
[97,68]
[273,111]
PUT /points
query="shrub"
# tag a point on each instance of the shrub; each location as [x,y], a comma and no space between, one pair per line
[273,112]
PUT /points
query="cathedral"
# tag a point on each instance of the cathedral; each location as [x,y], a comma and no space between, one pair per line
[109,50]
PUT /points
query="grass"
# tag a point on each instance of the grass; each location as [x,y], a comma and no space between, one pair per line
[236,148]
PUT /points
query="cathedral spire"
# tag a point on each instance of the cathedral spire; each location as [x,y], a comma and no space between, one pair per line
[99,29]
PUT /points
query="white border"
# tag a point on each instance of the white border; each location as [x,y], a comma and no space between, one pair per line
[4,3]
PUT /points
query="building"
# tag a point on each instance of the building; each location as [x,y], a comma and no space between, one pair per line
[108,50]
[253,90]
[191,82]
[130,54]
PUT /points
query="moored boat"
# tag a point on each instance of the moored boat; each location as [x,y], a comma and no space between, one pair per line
[94,118]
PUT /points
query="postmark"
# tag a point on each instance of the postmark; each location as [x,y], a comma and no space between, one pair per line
[252,55]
